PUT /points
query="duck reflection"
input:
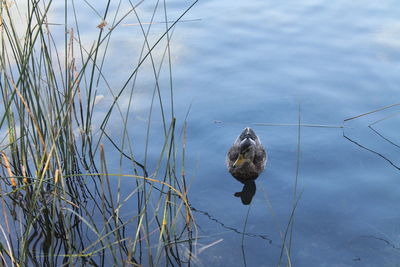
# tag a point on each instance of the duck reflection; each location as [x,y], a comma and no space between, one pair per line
[246,159]
[248,192]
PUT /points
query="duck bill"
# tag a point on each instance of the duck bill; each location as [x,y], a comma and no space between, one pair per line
[239,161]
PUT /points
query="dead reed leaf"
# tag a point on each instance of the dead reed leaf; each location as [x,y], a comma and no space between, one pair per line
[10,174]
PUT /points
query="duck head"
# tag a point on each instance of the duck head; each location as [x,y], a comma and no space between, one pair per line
[247,142]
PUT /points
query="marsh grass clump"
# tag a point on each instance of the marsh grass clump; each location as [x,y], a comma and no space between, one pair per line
[60,203]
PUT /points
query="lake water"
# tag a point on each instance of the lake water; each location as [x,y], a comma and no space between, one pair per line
[240,63]
[257,62]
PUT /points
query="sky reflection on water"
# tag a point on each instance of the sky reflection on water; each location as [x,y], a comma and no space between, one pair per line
[257,63]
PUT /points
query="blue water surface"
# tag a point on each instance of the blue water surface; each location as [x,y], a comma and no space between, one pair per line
[258,62]
[246,62]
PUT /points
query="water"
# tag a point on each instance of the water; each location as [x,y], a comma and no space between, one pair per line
[276,63]
[257,63]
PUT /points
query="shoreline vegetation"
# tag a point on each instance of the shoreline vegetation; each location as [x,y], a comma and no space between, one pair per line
[61,206]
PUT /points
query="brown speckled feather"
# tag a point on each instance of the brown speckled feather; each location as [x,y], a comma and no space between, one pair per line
[252,167]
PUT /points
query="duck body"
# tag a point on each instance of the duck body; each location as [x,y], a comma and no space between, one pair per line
[246,158]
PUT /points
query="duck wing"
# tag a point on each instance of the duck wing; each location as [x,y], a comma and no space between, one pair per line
[260,159]
[233,154]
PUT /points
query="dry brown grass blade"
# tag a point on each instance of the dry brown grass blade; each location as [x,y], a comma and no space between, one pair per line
[56,177]
[10,174]
[24,174]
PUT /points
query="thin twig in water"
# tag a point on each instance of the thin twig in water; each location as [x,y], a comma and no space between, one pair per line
[285,124]
[383,137]
[160,22]
[385,118]
[372,151]
[200,250]
[370,112]
[264,237]
[244,231]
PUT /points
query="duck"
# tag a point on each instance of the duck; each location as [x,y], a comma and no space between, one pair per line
[246,158]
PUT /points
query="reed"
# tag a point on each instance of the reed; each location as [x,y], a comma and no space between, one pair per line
[61,204]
